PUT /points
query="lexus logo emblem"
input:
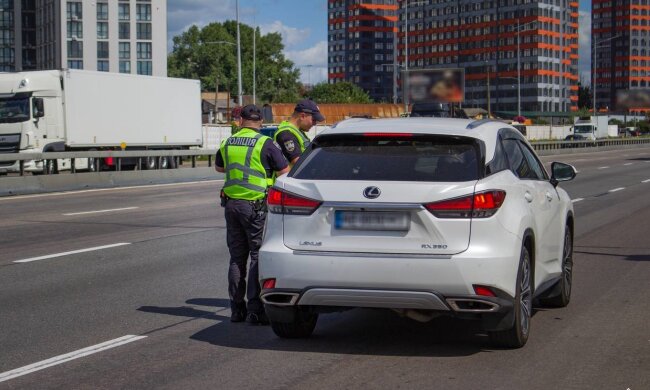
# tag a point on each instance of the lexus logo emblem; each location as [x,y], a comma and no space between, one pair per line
[371,192]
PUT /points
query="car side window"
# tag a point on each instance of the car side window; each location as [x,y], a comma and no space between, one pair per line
[533,162]
[518,163]
[499,161]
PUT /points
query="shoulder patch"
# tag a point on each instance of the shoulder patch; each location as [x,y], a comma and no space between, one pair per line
[290,145]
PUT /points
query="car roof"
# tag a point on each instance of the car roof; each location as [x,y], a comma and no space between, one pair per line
[484,130]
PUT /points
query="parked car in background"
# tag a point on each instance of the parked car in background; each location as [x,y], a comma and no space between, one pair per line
[424,216]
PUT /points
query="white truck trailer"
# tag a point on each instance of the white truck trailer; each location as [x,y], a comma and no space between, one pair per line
[77,110]
[592,128]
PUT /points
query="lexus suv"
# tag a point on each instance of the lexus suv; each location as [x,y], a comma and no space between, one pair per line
[425,216]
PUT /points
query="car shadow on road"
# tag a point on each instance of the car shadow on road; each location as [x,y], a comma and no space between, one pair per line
[634,257]
[357,332]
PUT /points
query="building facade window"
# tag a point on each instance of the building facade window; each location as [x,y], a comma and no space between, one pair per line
[102,49]
[145,68]
[143,12]
[144,31]
[125,50]
[144,50]
[125,30]
[75,64]
[102,11]
[123,11]
[125,66]
[75,30]
[102,30]
[102,66]
[74,10]
[75,49]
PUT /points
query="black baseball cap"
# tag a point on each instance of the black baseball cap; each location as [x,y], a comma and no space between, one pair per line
[251,112]
[309,107]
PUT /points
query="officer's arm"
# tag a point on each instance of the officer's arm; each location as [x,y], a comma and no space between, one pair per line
[283,171]
[294,160]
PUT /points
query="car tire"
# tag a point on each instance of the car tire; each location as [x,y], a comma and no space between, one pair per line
[151,163]
[301,327]
[563,296]
[517,335]
[163,163]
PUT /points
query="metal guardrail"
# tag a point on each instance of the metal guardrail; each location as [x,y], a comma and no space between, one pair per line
[553,145]
[49,157]
[117,154]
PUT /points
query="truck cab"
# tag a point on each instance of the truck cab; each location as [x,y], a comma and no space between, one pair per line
[30,116]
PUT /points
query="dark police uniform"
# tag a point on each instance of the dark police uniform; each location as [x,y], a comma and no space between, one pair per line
[249,160]
[292,141]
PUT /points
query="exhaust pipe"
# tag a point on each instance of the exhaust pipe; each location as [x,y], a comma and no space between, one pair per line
[472,305]
[280,298]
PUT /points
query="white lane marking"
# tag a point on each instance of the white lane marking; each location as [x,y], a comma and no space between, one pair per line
[101,211]
[617,189]
[576,200]
[646,181]
[105,189]
[71,252]
[628,164]
[603,167]
[5,376]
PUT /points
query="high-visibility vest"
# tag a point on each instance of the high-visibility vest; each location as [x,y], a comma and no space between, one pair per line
[242,156]
[303,141]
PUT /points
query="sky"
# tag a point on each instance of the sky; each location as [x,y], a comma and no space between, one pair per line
[303,26]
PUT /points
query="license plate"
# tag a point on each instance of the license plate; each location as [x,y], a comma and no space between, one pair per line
[372,220]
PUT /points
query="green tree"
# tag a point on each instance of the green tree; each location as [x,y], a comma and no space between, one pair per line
[197,54]
[584,96]
[343,92]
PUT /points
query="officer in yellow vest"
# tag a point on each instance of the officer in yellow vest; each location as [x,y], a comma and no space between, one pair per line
[291,133]
[249,161]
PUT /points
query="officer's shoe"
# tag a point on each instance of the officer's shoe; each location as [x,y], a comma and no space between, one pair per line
[238,316]
[257,319]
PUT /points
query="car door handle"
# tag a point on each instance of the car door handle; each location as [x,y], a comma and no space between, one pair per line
[528,196]
[549,196]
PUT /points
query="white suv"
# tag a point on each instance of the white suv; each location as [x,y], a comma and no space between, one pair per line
[422,216]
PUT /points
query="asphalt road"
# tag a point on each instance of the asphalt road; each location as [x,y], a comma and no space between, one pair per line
[164,288]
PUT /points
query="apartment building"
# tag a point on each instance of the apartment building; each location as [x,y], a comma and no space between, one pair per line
[361,44]
[621,39]
[127,36]
[480,37]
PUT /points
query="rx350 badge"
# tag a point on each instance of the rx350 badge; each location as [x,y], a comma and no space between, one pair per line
[290,146]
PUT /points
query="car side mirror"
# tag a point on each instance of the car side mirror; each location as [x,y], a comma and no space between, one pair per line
[39,110]
[561,172]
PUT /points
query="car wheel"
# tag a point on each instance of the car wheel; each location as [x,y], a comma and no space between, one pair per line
[151,163]
[163,163]
[301,327]
[517,335]
[564,295]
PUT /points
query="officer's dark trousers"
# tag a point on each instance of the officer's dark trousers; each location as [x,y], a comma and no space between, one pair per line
[244,235]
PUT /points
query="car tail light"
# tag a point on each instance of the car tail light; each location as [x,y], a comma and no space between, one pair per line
[281,202]
[268,283]
[484,291]
[109,161]
[480,205]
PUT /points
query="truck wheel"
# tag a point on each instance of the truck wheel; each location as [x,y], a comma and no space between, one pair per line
[302,326]
[151,163]
[173,163]
[163,163]
[517,336]
[94,165]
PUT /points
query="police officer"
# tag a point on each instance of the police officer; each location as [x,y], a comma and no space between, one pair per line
[291,133]
[249,161]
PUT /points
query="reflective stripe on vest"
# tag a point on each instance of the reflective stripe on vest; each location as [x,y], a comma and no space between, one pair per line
[245,175]
[288,126]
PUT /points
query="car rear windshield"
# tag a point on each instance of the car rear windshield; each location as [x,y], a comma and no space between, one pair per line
[391,158]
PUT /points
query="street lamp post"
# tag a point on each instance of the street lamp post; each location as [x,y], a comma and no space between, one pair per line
[406,54]
[240,98]
[597,44]
[395,66]
[519,27]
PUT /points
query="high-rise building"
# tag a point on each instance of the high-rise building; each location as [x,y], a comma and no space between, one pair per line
[480,37]
[621,39]
[361,36]
[127,36]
